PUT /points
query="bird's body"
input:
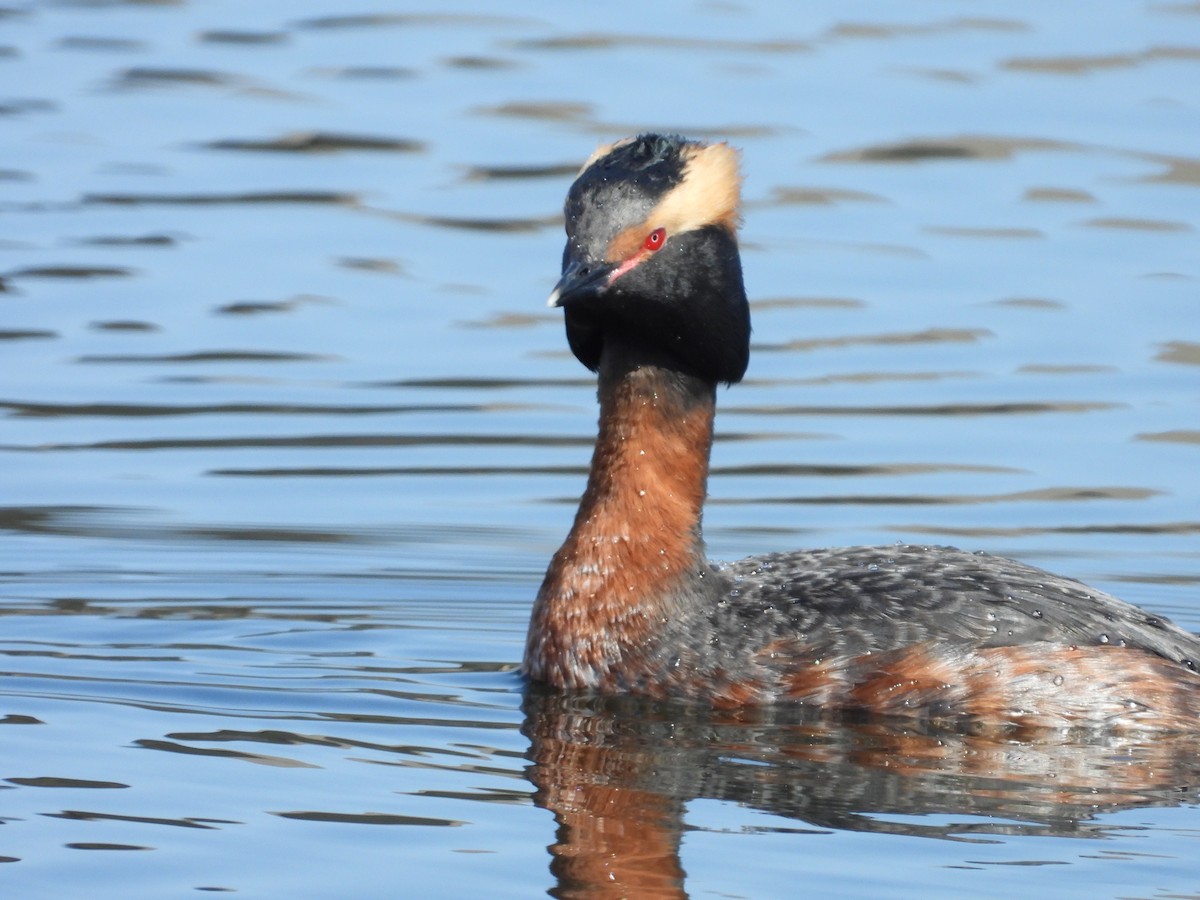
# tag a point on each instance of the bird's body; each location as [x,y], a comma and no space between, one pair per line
[653,296]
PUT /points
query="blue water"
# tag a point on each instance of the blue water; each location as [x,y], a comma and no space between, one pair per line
[287,434]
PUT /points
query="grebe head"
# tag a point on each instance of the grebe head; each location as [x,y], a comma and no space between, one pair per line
[651,272]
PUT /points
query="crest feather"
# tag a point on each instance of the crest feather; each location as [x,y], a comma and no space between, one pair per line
[600,152]
[709,193]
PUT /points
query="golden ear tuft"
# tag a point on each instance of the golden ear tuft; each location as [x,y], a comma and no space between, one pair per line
[708,195]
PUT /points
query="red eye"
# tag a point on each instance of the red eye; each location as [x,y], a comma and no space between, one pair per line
[655,239]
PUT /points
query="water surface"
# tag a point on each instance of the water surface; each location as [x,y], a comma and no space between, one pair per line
[287,435]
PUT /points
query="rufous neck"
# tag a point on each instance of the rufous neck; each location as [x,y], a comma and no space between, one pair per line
[636,545]
[649,472]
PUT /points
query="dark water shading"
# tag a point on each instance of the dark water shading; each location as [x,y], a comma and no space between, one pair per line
[366,73]
[48,782]
[960,409]
[926,336]
[989,233]
[618,773]
[1050,368]
[824,196]
[1178,171]
[1055,495]
[1084,65]
[142,524]
[136,524]
[472,223]
[485,383]
[967,146]
[239,37]
[368,818]
[125,325]
[502,173]
[763,304]
[319,142]
[1059,195]
[316,197]
[609,40]
[861,30]
[204,356]
[1180,436]
[846,470]
[148,76]
[15,334]
[507,320]
[870,378]
[93,43]
[20,106]
[240,755]
[116,410]
[480,63]
[1136,224]
[67,271]
[376,20]
[81,816]
[1185,352]
[542,110]
[257,307]
[103,845]
[365,264]
[391,471]
[145,240]
[1146,528]
[323,440]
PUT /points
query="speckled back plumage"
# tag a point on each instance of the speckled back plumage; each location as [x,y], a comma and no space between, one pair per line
[877,599]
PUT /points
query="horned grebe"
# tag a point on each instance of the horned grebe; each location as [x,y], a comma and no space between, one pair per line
[653,299]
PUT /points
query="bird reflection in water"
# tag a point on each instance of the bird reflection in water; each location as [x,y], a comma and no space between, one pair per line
[617,773]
